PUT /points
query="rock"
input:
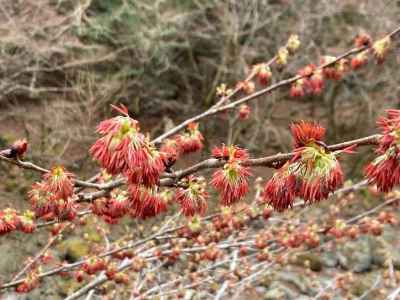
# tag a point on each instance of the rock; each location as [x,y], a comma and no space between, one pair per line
[385,245]
[299,281]
[288,285]
[382,250]
[355,255]
[329,259]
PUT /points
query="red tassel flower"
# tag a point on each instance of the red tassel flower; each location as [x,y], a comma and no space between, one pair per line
[48,205]
[149,172]
[117,206]
[27,222]
[9,220]
[191,140]
[171,151]
[113,208]
[305,133]
[146,202]
[42,201]
[122,144]
[64,210]
[312,174]
[230,153]
[193,198]
[384,170]
[231,181]
[319,173]
[280,190]
[59,182]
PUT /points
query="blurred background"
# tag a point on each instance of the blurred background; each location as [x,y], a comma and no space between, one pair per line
[63,62]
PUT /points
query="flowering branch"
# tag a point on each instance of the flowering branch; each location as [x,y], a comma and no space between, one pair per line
[217,109]
[164,232]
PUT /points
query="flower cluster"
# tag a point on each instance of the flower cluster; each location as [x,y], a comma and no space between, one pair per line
[312,79]
[282,56]
[293,43]
[305,133]
[232,180]
[363,40]
[192,198]
[146,202]
[290,48]
[139,201]
[123,149]
[247,86]
[311,174]
[334,69]
[148,171]
[27,222]
[381,48]
[222,91]
[52,197]
[171,150]
[263,73]
[93,265]
[59,182]
[359,60]
[191,140]
[30,282]
[16,150]
[244,112]
[384,170]
[113,208]
[299,88]
[10,221]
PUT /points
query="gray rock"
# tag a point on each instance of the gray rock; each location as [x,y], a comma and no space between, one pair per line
[329,259]
[355,255]
[290,285]
[379,251]
[299,281]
